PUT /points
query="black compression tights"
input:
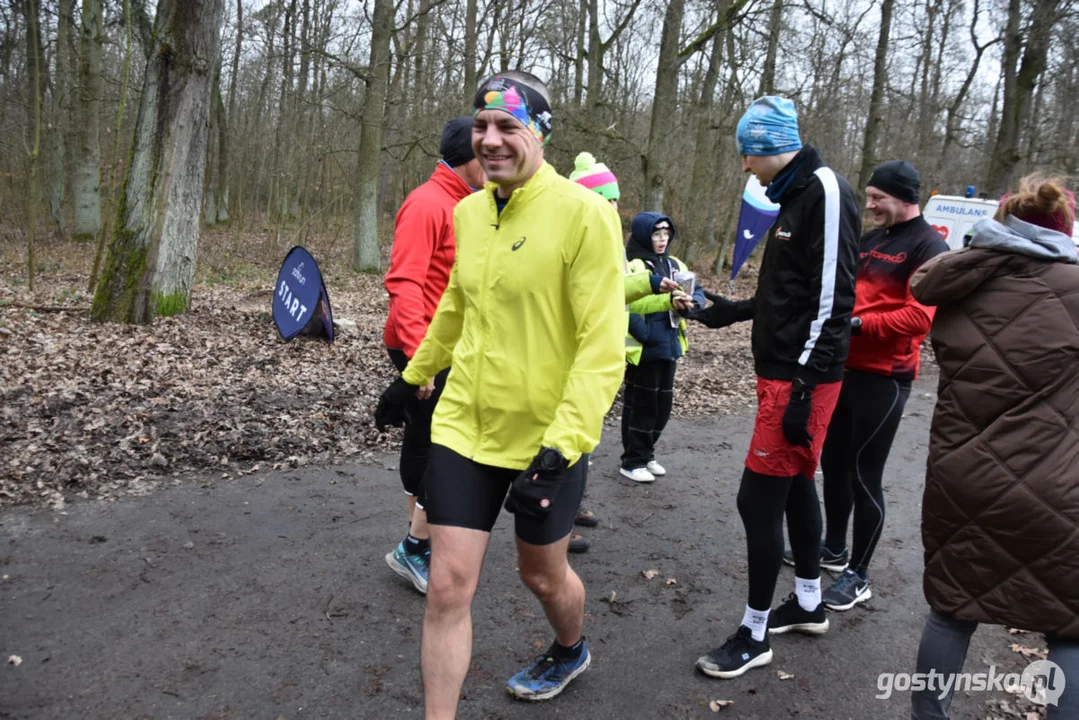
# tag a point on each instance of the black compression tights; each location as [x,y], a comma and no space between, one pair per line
[762,502]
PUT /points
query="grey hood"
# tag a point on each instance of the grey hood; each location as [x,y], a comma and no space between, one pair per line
[1023,238]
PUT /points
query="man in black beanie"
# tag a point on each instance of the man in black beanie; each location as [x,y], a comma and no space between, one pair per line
[423,251]
[887,329]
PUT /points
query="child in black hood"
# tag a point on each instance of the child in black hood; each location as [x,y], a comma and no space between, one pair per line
[656,341]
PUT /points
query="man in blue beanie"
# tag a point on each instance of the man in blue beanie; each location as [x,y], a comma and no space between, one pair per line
[801,331]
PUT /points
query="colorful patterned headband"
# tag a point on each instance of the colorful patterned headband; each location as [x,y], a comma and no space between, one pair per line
[520,101]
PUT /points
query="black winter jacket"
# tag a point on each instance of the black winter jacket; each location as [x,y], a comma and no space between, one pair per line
[805,294]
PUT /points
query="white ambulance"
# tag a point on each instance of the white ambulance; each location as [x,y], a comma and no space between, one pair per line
[953,216]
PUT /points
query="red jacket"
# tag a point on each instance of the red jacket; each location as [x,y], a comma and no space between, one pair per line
[421,258]
[894,324]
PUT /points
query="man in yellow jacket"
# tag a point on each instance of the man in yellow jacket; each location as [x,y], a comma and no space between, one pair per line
[532,323]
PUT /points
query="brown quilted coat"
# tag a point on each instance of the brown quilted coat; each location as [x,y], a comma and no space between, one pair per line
[1000,514]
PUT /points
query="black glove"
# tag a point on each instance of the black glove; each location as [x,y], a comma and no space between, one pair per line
[533,491]
[392,409]
[855,326]
[722,312]
[796,417]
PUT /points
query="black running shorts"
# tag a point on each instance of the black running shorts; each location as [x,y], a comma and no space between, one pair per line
[464,493]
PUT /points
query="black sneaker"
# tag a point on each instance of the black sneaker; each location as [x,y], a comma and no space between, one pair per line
[846,592]
[577,544]
[739,653]
[835,562]
[791,617]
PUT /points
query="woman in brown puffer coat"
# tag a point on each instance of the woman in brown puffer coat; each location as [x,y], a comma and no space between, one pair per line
[1000,514]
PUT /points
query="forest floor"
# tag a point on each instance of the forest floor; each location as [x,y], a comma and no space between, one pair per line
[197,514]
[97,411]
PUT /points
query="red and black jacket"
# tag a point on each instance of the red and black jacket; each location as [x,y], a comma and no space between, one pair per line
[894,324]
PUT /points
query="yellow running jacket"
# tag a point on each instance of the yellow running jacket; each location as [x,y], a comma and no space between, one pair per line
[532,324]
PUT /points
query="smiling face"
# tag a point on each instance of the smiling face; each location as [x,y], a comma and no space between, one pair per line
[508,151]
[887,210]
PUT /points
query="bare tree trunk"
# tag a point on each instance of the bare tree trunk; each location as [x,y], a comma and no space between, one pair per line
[876,97]
[227,122]
[1019,87]
[86,182]
[470,53]
[32,15]
[768,74]
[213,149]
[150,266]
[112,196]
[60,110]
[704,156]
[663,106]
[366,256]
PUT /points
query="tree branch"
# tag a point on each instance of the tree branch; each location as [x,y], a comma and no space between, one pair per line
[724,21]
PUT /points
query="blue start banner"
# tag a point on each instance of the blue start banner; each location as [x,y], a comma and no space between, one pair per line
[300,303]
[757,215]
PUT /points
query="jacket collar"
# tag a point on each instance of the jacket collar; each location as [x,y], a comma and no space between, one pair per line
[793,179]
[451,182]
[533,188]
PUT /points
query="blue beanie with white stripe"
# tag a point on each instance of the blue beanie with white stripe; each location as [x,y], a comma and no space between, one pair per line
[769,127]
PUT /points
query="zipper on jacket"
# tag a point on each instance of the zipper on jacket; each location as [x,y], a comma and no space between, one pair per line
[491,246]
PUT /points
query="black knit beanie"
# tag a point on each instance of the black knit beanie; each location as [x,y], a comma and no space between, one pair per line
[456,147]
[899,179]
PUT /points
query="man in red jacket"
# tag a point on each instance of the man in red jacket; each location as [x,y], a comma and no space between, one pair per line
[420,262]
[887,330]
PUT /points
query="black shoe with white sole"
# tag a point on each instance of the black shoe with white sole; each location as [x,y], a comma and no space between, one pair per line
[835,562]
[739,653]
[792,617]
[847,591]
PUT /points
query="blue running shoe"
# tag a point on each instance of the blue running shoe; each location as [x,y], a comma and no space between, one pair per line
[547,676]
[413,568]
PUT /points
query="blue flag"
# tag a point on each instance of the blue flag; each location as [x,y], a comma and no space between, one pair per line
[757,215]
[301,303]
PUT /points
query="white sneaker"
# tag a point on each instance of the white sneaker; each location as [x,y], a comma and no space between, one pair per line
[640,475]
[655,468]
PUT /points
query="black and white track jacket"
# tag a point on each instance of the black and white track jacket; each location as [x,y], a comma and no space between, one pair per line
[805,294]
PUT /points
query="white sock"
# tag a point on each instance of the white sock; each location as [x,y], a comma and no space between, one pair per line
[808,592]
[757,622]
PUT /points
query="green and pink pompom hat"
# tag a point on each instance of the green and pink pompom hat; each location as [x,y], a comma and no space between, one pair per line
[595,176]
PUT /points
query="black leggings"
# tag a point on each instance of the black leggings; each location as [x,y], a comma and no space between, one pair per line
[646,408]
[762,501]
[416,445]
[859,439]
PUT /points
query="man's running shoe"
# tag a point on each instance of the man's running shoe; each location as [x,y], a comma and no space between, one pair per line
[835,562]
[640,474]
[413,568]
[739,653]
[578,544]
[547,676]
[847,591]
[792,617]
[655,468]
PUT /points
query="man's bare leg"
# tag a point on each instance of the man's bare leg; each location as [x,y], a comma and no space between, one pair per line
[546,572]
[446,648]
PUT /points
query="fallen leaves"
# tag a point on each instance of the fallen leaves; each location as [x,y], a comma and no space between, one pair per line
[15,660]
[671,581]
[100,411]
[784,675]
[649,574]
[1029,652]
[717,705]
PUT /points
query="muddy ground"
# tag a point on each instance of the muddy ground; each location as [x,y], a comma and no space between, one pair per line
[267,596]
